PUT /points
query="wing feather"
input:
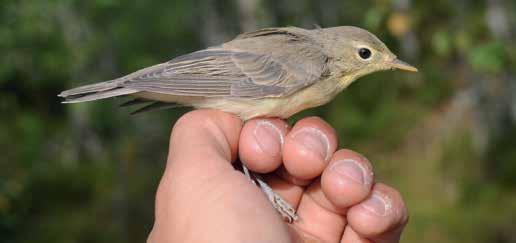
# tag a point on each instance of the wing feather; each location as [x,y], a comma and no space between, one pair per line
[244,67]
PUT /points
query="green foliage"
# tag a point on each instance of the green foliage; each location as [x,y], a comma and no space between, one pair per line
[488,58]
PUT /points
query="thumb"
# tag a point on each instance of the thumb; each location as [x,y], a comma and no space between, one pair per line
[203,143]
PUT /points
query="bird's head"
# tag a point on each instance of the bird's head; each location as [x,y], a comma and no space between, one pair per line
[355,52]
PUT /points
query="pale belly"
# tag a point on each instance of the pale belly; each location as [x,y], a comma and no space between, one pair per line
[284,107]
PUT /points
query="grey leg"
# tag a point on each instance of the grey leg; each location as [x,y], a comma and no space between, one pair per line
[283,207]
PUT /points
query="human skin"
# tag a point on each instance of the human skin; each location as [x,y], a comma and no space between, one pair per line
[202,198]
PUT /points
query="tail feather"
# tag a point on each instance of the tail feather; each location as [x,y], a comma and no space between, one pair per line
[137,101]
[156,106]
[94,92]
[90,88]
[149,105]
[98,95]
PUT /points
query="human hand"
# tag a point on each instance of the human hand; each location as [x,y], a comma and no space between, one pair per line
[202,198]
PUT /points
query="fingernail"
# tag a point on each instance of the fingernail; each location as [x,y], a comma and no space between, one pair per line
[268,137]
[377,204]
[313,140]
[353,171]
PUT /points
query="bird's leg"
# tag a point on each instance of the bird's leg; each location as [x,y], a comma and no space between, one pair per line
[283,207]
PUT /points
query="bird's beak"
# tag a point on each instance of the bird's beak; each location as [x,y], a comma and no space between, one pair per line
[399,64]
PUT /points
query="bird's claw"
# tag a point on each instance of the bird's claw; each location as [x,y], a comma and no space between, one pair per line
[287,212]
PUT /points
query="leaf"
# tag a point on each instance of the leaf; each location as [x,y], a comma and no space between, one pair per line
[489,57]
[441,42]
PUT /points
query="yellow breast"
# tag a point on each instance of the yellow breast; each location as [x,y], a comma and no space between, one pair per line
[317,94]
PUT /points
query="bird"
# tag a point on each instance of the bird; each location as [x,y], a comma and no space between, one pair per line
[271,72]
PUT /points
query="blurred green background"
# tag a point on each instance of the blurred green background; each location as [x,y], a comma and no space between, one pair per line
[445,137]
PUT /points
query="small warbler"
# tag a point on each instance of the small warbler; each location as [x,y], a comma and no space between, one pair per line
[273,72]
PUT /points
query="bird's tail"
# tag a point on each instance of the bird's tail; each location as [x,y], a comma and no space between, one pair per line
[95,92]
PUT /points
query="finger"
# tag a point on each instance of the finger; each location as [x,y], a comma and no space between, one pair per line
[381,217]
[350,236]
[346,181]
[287,177]
[261,144]
[203,134]
[300,148]
[316,219]
[308,148]
[309,132]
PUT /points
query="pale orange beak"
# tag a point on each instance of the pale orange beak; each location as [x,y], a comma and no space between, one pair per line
[401,65]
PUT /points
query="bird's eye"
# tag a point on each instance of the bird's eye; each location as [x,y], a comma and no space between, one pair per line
[364,53]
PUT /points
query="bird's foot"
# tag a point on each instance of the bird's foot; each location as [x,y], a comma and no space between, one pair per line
[287,212]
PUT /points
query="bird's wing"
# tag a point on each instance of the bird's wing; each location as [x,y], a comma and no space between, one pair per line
[270,63]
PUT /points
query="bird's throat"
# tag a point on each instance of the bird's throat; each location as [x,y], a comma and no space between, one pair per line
[345,81]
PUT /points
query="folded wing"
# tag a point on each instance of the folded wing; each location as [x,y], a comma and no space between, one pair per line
[267,63]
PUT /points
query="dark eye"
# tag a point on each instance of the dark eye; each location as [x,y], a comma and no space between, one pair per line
[364,53]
